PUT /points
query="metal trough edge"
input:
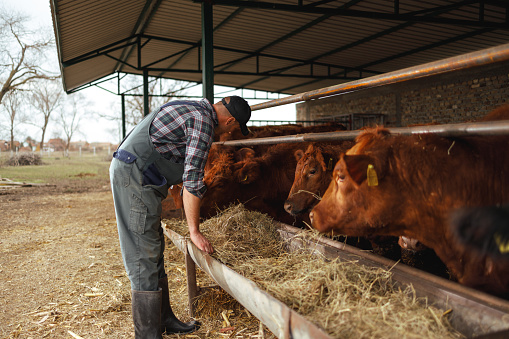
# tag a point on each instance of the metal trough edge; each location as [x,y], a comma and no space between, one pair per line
[474,312]
[281,320]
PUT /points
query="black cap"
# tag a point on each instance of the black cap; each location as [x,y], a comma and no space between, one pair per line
[240,110]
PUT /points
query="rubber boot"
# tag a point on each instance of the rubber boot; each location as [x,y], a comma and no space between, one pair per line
[146,308]
[169,322]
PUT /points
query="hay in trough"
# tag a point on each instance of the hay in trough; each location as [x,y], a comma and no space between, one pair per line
[343,297]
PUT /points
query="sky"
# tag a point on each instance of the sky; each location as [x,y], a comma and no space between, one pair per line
[101,130]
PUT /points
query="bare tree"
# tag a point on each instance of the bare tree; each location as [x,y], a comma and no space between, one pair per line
[45,98]
[70,117]
[12,106]
[21,52]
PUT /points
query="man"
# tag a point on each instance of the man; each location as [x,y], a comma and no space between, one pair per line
[168,146]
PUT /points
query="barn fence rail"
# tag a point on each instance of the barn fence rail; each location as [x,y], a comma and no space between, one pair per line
[449,130]
[483,57]
[350,120]
[465,61]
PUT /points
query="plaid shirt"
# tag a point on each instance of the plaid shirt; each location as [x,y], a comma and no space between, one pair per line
[183,132]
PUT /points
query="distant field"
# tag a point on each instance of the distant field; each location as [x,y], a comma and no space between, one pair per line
[56,167]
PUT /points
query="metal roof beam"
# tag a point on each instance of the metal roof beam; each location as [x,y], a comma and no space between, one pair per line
[389,58]
[416,50]
[105,51]
[229,49]
[433,45]
[146,15]
[98,52]
[287,36]
[322,77]
[442,9]
[226,20]
[360,14]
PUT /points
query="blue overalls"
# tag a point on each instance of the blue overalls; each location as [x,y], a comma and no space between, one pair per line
[140,178]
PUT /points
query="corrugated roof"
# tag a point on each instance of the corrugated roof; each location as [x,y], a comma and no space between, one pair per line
[282,46]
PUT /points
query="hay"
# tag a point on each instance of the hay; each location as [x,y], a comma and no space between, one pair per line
[343,297]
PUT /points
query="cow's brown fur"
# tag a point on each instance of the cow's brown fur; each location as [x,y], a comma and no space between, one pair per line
[261,183]
[312,175]
[421,178]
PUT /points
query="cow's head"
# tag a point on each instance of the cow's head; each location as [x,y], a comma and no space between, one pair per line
[312,176]
[218,180]
[247,171]
[223,187]
[351,199]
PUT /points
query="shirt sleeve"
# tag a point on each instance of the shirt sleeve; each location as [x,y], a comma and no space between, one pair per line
[199,138]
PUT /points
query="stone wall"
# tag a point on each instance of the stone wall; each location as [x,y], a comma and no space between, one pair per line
[453,97]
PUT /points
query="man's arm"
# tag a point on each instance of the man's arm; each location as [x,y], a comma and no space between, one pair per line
[192,209]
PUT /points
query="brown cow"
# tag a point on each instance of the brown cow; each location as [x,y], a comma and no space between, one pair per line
[261,183]
[413,183]
[312,177]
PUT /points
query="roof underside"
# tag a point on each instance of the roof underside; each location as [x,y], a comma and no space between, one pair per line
[280,46]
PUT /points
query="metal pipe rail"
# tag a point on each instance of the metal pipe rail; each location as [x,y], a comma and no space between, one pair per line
[469,60]
[449,130]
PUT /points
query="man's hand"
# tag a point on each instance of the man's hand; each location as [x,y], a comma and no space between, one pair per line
[201,242]
[192,208]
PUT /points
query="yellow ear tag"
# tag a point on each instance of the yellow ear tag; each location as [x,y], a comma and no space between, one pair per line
[503,247]
[329,166]
[372,177]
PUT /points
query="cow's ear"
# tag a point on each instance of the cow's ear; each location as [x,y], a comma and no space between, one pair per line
[298,154]
[357,166]
[244,153]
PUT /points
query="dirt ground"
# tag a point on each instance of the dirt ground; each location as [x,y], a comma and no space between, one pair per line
[61,271]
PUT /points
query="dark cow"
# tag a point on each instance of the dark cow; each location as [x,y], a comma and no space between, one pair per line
[261,183]
[408,185]
[483,233]
[483,230]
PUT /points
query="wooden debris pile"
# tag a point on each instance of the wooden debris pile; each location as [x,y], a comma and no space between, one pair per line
[24,159]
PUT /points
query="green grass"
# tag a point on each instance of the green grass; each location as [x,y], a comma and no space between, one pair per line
[58,168]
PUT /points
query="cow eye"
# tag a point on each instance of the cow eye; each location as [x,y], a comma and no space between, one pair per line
[340,178]
[312,171]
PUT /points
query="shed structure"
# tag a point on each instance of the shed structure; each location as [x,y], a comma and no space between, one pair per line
[281,46]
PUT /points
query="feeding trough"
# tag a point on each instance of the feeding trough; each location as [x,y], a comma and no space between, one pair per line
[473,313]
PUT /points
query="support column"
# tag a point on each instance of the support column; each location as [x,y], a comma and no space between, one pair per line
[207,28]
[146,108]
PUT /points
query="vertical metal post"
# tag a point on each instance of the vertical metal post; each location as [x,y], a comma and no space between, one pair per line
[192,288]
[124,132]
[145,93]
[207,28]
